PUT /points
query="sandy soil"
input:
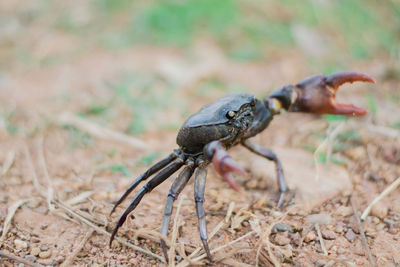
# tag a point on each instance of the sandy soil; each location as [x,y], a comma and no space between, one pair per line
[63,181]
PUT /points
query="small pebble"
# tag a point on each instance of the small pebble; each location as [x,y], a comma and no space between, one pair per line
[45,254]
[20,245]
[320,263]
[122,258]
[350,235]
[310,236]
[380,227]
[35,239]
[341,250]
[320,218]
[30,257]
[43,226]
[330,263]
[281,240]
[328,234]
[375,220]
[296,238]
[281,227]
[339,229]
[134,261]
[35,251]
[44,248]
[45,261]
[390,223]
[358,248]
[393,231]
[59,259]
[379,210]
[344,211]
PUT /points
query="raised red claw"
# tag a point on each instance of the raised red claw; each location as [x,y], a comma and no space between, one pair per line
[317,94]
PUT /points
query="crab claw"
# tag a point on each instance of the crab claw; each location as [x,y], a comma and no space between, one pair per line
[224,165]
[316,94]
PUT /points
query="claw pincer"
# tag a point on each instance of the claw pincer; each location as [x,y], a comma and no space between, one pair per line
[231,120]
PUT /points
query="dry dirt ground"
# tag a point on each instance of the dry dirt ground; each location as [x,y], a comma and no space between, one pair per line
[61,176]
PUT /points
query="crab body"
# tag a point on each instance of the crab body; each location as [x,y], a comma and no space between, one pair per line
[228,119]
[231,120]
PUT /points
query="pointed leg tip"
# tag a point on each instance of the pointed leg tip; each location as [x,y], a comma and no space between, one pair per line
[164,249]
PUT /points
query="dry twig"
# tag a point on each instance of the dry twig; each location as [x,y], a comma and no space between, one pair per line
[9,161]
[185,263]
[363,238]
[102,231]
[43,165]
[18,259]
[11,212]
[59,204]
[321,240]
[327,143]
[68,118]
[71,258]
[384,193]
[171,252]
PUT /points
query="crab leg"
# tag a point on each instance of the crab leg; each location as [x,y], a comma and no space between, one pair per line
[199,186]
[153,169]
[270,155]
[223,163]
[150,185]
[176,188]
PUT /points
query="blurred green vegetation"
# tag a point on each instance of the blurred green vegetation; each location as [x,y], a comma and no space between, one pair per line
[251,30]
[133,92]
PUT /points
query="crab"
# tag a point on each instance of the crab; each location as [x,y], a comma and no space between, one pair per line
[231,120]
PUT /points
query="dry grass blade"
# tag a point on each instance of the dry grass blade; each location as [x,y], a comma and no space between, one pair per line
[70,259]
[226,257]
[185,263]
[43,165]
[18,259]
[79,198]
[384,193]
[321,256]
[9,161]
[224,222]
[11,212]
[171,252]
[385,131]
[68,118]
[331,135]
[321,240]
[363,238]
[59,204]
[35,179]
[102,231]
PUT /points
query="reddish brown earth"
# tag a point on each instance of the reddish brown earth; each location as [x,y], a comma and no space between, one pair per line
[70,163]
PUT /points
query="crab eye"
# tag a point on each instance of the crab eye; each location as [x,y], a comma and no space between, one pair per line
[230,114]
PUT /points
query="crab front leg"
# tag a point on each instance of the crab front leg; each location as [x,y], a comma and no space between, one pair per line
[317,94]
[223,163]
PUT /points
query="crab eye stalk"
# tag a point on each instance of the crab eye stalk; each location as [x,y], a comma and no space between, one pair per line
[230,114]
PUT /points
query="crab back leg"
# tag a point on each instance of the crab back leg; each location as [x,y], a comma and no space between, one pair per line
[153,169]
[176,188]
[199,187]
[150,185]
[270,155]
